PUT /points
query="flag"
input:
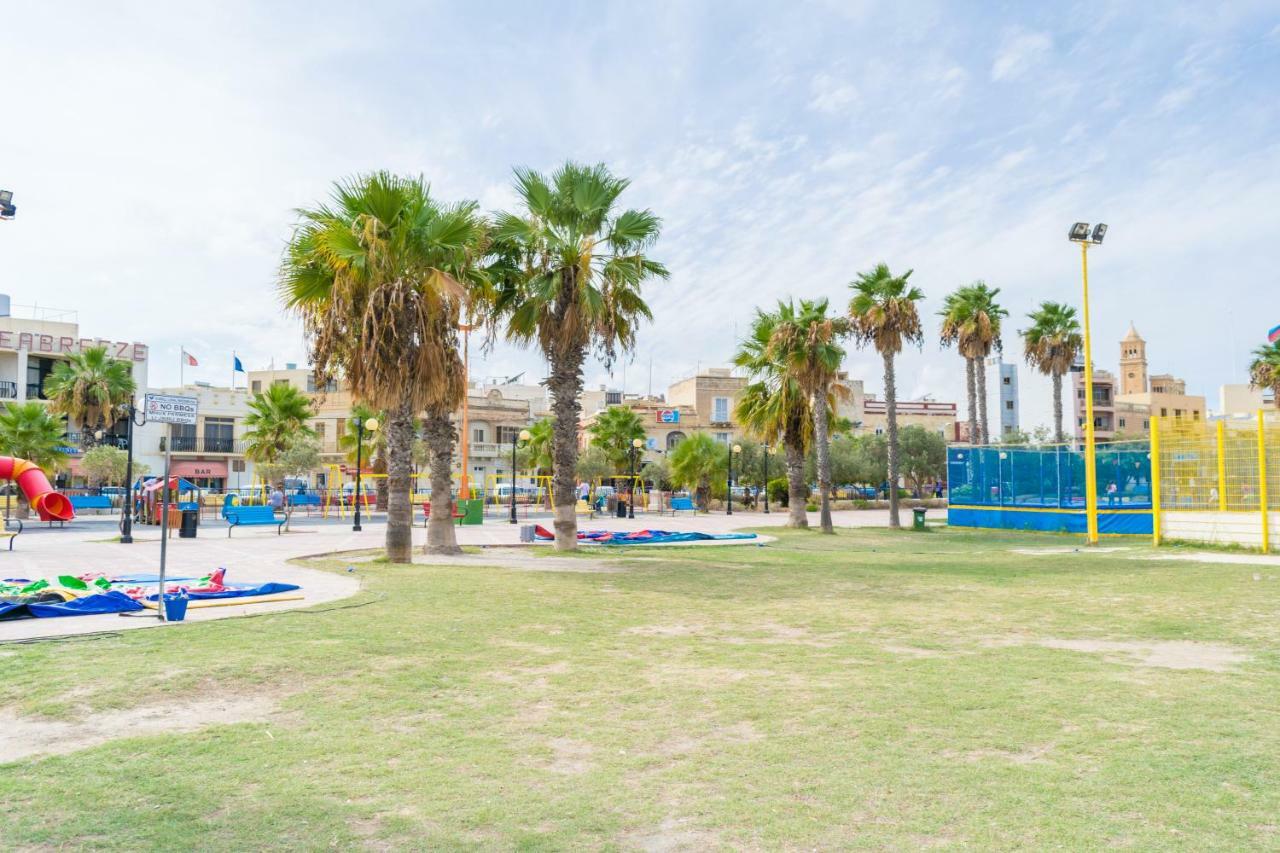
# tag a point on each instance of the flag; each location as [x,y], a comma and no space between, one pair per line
[239,368]
[190,359]
[1274,335]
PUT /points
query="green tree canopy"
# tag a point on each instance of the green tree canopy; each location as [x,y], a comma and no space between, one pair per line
[924,455]
[695,461]
[614,430]
[29,431]
[276,418]
[90,388]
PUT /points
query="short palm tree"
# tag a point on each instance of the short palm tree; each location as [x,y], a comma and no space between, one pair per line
[277,417]
[574,267]
[380,277]
[1051,345]
[29,431]
[1264,370]
[538,448]
[373,450]
[776,409]
[885,315]
[614,430]
[806,345]
[695,461]
[92,389]
[971,320]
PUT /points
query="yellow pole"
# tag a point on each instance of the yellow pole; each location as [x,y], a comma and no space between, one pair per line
[1155,482]
[1262,482]
[1090,446]
[1222,466]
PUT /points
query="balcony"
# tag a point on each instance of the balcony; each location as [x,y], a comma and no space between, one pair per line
[8,390]
[483,449]
[75,442]
[204,444]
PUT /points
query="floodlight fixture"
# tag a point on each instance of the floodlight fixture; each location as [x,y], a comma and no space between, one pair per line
[7,207]
[1099,231]
[1079,232]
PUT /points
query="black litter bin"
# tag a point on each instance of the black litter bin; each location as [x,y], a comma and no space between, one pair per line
[190,519]
[622,508]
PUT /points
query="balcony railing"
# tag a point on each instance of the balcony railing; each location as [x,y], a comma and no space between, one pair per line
[8,390]
[204,444]
[77,442]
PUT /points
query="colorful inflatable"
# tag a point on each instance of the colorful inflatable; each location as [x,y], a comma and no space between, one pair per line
[641,537]
[48,504]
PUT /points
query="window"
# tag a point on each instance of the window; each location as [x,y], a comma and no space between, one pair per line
[184,437]
[311,383]
[722,437]
[340,428]
[1122,423]
[38,369]
[1195,416]
[508,434]
[279,381]
[477,435]
[1008,405]
[1164,413]
[257,386]
[1147,425]
[1177,413]
[1006,380]
[219,435]
[318,426]
[1079,393]
[613,398]
[879,430]
[237,466]
[719,410]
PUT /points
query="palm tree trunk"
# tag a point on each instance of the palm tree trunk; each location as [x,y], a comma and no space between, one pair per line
[823,442]
[980,372]
[1058,437]
[891,410]
[797,490]
[399,463]
[704,493]
[566,385]
[441,537]
[971,380]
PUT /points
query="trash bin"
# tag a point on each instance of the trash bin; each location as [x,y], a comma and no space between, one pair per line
[175,606]
[472,511]
[187,526]
[918,523]
[622,508]
[527,533]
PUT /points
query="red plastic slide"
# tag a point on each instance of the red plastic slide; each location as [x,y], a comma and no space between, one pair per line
[48,504]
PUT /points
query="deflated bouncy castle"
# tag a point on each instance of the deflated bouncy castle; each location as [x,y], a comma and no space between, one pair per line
[48,504]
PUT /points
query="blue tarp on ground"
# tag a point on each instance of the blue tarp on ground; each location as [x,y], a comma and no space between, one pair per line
[240,592]
[103,602]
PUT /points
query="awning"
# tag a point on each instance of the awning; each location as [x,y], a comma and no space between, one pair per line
[189,468]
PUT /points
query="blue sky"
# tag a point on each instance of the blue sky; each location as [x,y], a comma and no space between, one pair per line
[156,152]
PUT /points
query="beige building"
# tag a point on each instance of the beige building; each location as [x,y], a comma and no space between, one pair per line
[930,414]
[1242,400]
[704,402]
[1140,395]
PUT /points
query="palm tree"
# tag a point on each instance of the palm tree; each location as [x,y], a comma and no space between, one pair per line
[573,268]
[695,461]
[885,315]
[614,430]
[1264,370]
[537,449]
[806,345]
[775,408]
[380,278]
[971,320]
[1051,345]
[373,450]
[277,417]
[91,389]
[29,431]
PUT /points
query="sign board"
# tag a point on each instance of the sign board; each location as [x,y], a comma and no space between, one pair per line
[668,416]
[171,409]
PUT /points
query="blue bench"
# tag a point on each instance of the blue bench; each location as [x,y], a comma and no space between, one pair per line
[253,516]
[79,502]
[682,505]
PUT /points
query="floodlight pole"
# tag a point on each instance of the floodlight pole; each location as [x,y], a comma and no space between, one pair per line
[1090,443]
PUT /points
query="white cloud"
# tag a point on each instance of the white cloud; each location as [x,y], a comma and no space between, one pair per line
[831,95]
[1019,52]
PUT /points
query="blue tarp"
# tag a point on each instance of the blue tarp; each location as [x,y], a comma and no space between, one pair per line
[103,602]
[241,592]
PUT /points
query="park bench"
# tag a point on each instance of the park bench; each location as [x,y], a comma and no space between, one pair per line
[81,502]
[253,516]
[682,505]
[11,534]
[458,515]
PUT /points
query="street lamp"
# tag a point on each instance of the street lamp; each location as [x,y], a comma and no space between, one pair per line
[636,444]
[126,524]
[521,438]
[769,450]
[1079,233]
[737,448]
[7,207]
[362,424]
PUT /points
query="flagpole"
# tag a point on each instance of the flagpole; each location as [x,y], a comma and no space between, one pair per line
[233,370]
[182,362]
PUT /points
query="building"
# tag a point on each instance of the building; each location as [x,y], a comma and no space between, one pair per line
[1002,396]
[928,413]
[705,402]
[1104,403]
[1236,400]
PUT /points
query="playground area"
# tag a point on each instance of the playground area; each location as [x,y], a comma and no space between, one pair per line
[963,688]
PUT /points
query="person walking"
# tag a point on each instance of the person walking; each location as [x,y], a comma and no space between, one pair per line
[276,500]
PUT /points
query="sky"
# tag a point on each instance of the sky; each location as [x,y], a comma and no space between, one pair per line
[157,152]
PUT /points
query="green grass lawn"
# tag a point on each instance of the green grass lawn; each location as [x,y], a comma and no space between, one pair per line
[863,690]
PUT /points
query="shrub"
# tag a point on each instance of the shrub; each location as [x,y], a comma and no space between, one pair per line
[778,491]
[811,507]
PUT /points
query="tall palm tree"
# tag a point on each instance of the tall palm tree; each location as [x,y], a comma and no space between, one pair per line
[574,267]
[1051,345]
[971,319]
[1264,370]
[277,417]
[806,345]
[380,277]
[885,315]
[30,431]
[695,461]
[776,409]
[91,389]
[614,430]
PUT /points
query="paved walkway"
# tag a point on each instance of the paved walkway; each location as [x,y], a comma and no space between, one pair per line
[257,555]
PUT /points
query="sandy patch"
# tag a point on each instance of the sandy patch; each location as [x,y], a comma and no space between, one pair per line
[910,651]
[670,835]
[23,737]
[1169,654]
[1030,755]
[1067,549]
[531,676]
[570,757]
[667,630]
[769,633]
[1215,557]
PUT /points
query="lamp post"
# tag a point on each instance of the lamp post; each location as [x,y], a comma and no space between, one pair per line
[362,424]
[126,525]
[1080,233]
[737,448]
[636,444]
[516,440]
[769,450]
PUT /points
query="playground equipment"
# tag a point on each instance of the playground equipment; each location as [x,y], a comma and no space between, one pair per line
[48,504]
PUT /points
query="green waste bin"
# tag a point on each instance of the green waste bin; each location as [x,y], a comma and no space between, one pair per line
[918,523]
[472,511]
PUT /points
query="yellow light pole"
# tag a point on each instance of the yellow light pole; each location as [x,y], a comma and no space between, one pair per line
[1080,234]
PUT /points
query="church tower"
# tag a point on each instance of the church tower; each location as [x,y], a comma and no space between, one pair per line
[1133,363]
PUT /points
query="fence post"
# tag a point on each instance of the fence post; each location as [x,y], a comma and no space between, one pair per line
[1222,466]
[1262,482]
[1155,482]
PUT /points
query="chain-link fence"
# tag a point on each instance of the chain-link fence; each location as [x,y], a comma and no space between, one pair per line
[1051,476]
